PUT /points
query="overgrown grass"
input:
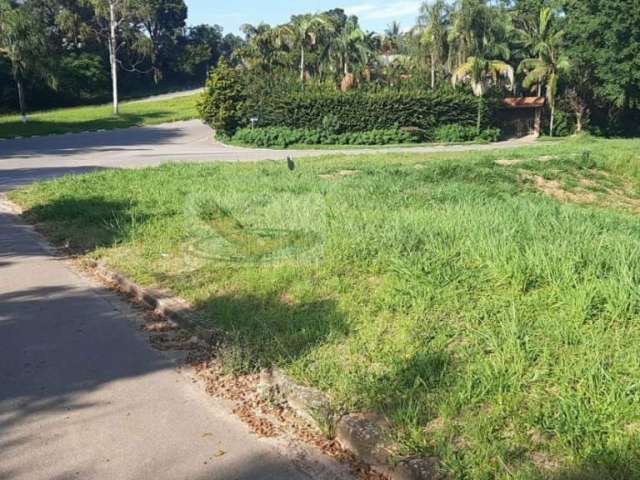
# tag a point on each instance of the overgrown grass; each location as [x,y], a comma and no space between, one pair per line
[493,320]
[81,119]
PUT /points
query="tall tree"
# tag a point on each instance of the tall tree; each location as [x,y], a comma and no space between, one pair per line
[548,63]
[164,22]
[434,23]
[22,41]
[118,22]
[301,33]
[603,40]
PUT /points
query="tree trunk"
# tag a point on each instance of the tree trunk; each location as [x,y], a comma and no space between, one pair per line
[113,60]
[302,63]
[20,87]
[553,114]
[578,122]
[433,73]
[479,122]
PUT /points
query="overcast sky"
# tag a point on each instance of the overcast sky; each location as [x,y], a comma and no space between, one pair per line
[373,14]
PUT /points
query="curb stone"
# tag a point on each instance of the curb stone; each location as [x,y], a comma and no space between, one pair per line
[174,310]
[366,435]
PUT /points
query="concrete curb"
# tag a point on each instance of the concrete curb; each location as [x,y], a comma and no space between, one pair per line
[366,435]
[174,310]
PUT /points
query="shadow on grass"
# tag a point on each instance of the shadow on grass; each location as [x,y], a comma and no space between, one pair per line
[267,330]
[86,224]
[604,464]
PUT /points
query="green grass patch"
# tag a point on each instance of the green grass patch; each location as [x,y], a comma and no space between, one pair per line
[82,119]
[485,302]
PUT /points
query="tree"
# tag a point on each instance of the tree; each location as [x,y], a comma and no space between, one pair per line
[118,22]
[223,99]
[481,71]
[603,41]
[549,62]
[479,38]
[164,22]
[434,23]
[302,33]
[23,43]
[350,45]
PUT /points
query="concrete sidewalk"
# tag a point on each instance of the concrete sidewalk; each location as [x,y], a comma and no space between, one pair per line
[83,395]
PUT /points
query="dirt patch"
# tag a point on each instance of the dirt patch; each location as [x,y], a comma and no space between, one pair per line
[508,162]
[340,174]
[556,189]
[545,462]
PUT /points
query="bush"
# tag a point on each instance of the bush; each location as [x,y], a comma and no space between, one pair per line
[222,103]
[362,111]
[284,137]
[460,133]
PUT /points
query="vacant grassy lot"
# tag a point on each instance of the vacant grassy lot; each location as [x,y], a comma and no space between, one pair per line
[488,304]
[82,119]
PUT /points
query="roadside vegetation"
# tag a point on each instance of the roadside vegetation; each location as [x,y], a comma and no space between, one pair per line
[321,75]
[83,119]
[486,303]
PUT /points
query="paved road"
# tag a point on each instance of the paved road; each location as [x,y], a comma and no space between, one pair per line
[82,395]
[26,160]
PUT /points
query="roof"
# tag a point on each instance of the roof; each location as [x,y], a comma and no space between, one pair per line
[524,102]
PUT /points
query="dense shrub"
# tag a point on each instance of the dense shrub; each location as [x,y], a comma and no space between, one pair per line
[285,137]
[459,133]
[222,102]
[359,111]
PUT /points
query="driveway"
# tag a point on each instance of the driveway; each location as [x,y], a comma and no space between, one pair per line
[26,160]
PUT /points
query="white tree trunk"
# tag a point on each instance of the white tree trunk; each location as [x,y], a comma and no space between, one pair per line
[553,114]
[302,63]
[433,73]
[113,60]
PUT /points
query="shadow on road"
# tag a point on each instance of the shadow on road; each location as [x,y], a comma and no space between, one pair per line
[88,142]
[11,179]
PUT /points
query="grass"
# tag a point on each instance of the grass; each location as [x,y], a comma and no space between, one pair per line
[488,304]
[82,119]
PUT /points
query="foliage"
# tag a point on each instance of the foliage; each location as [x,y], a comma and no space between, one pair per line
[360,111]
[285,137]
[222,103]
[459,134]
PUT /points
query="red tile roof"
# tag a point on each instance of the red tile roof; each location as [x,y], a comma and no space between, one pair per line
[524,102]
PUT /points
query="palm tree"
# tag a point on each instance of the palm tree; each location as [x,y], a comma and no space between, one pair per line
[302,33]
[548,63]
[483,70]
[260,47]
[434,23]
[351,46]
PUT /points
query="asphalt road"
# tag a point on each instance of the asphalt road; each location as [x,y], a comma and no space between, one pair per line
[23,161]
[82,394]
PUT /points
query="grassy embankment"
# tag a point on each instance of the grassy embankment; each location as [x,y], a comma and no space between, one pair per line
[487,303]
[82,119]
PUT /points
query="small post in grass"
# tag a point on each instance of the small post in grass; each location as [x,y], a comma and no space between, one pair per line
[253,121]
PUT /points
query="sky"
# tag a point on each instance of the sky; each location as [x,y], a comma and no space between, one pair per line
[374,14]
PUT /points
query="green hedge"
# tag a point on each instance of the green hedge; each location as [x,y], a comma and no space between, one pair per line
[285,137]
[364,111]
